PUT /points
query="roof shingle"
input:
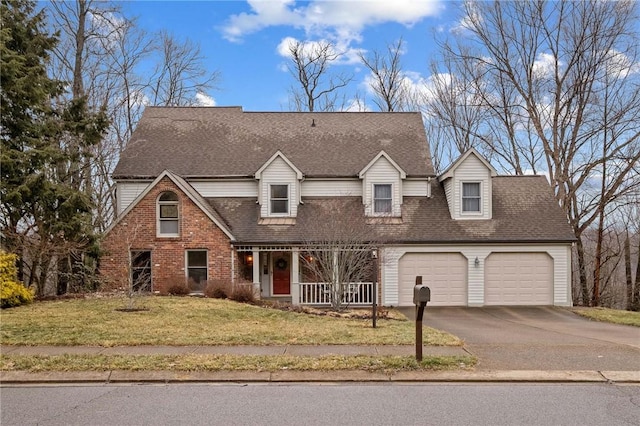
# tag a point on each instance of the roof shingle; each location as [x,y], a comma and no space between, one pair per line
[226,141]
[524,211]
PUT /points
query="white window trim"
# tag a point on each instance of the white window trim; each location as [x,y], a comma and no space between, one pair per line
[272,214]
[373,200]
[186,262]
[480,212]
[159,234]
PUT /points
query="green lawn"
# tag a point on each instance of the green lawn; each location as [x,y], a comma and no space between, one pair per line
[194,321]
[615,316]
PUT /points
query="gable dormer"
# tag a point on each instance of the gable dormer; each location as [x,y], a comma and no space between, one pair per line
[278,187]
[467,185]
[382,186]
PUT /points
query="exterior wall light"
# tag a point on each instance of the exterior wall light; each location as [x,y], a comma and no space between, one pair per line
[477,262]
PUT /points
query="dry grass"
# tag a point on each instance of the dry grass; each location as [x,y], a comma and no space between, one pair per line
[37,363]
[194,321]
[614,316]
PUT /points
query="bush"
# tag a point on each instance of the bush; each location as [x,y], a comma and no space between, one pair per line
[12,292]
[243,293]
[178,289]
[218,289]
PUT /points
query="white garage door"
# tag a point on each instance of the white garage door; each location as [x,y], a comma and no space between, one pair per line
[518,279]
[444,273]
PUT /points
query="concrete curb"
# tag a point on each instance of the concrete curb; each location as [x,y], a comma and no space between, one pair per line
[284,376]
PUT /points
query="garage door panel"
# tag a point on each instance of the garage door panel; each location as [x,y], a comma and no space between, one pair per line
[444,273]
[519,279]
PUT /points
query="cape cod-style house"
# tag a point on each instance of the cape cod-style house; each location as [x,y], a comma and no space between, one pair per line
[207,193]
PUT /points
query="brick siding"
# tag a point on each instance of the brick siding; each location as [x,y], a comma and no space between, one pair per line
[137,231]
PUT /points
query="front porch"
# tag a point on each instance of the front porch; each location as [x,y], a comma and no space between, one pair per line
[279,273]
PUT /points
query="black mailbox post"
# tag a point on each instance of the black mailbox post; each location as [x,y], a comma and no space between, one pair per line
[421,295]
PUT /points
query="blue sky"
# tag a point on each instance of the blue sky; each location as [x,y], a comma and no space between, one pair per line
[241,39]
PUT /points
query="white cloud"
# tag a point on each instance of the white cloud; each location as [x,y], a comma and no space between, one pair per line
[468,22]
[356,105]
[348,55]
[204,100]
[544,66]
[344,19]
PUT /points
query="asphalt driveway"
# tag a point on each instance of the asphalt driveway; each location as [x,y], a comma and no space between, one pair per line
[538,338]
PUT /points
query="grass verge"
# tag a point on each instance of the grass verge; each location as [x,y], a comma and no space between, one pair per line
[178,321]
[258,363]
[615,316]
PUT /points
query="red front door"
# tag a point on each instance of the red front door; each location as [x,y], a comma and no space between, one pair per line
[281,274]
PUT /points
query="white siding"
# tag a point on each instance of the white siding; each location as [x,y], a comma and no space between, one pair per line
[126,192]
[331,188]
[227,188]
[279,173]
[448,192]
[415,188]
[560,253]
[472,170]
[382,172]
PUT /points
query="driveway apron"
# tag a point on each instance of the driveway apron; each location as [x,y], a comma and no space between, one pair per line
[538,338]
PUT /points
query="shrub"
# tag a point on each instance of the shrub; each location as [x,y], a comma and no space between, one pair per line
[243,293]
[178,289]
[218,289]
[12,292]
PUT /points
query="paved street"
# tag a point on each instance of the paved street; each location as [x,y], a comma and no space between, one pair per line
[328,404]
[538,338]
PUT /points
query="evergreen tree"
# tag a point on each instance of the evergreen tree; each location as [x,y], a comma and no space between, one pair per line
[44,217]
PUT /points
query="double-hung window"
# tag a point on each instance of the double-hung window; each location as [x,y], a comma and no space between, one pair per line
[168,216]
[279,199]
[382,199]
[197,266]
[471,197]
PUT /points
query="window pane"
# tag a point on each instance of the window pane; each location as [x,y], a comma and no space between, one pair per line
[197,274]
[471,189]
[279,191]
[168,226]
[169,211]
[141,259]
[382,191]
[168,196]
[382,206]
[141,270]
[279,206]
[197,258]
[470,204]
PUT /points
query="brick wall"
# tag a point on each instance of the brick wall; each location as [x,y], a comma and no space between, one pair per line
[137,231]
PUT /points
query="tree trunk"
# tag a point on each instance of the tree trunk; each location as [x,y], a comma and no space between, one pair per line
[636,286]
[627,270]
[595,296]
[582,273]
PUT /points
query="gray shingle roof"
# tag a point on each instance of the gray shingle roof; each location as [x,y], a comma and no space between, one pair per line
[226,141]
[524,211]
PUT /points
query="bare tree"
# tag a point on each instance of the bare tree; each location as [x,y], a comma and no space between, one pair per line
[316,89]
[560,81]
[180,74]
[387,78]
[338,254]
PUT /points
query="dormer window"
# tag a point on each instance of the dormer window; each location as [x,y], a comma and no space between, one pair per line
[279,199]
[382,199]
[168,216]
[470,197]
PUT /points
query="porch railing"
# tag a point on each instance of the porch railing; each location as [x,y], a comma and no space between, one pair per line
[320,294]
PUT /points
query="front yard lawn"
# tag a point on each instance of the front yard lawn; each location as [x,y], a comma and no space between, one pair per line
[37,363]
[181,321]
[615,316]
